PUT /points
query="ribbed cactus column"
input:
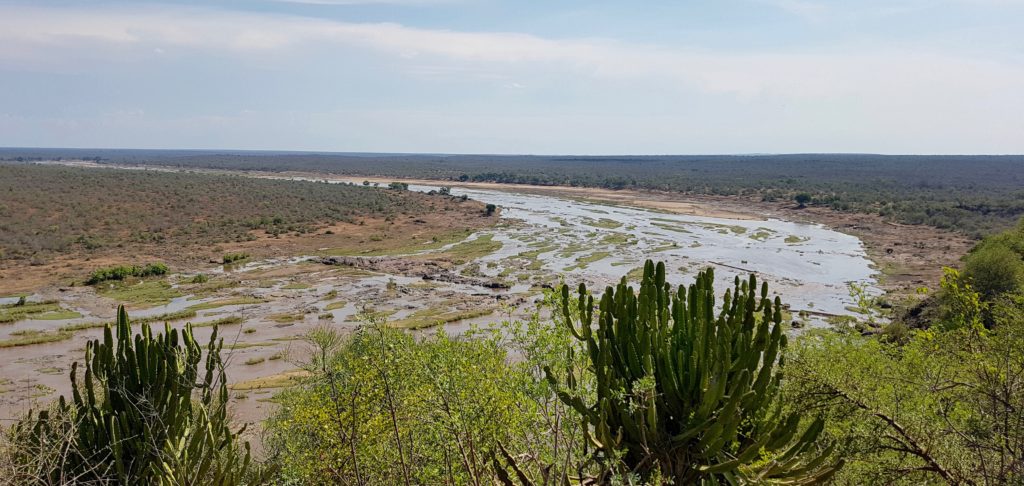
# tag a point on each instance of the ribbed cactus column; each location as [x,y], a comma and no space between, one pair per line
[145,413]
[686,391]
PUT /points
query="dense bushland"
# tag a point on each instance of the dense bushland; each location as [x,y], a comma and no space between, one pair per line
[941,403]
[975,195]
[49,210]
[663,389]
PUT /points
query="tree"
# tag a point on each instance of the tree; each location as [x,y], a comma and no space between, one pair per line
[802,199]
[947,407]
[686,396]
[994,269]
[381,407]
[400,186]
[490,209]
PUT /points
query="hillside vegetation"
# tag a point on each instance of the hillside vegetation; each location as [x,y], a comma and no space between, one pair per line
[975,195]
[51,210]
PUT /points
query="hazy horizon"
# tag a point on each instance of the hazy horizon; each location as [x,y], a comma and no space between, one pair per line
[507,154]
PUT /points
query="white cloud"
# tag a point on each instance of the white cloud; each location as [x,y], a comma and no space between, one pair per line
[371,2]
[41,34]
[822,11]
[861,92]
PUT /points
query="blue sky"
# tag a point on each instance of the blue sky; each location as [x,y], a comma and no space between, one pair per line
[488,76]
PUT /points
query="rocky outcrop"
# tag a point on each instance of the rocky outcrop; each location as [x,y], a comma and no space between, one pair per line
[425,269]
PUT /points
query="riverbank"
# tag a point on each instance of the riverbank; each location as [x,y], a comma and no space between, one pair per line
[907,257]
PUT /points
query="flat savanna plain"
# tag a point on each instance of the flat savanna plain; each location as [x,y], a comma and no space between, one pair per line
[63,222]
[59,224]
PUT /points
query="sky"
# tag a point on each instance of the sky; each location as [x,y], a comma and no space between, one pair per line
[519,77]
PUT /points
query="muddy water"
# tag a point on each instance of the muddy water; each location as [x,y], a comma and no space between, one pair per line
[542,238]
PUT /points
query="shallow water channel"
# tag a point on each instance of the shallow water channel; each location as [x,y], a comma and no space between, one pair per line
[543,238]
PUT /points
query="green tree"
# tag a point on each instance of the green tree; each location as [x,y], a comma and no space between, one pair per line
[994,269]
[802,199]
[962,305]
[382,408]
[944,408]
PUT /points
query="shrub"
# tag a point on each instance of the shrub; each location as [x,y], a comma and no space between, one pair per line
[381,408]
[802,199]
[994,269]
[122,272]
[229,258]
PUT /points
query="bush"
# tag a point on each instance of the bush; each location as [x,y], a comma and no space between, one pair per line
[802,199]
[122,272]
[234,257]
[944,407]
[994,269]
[381,408]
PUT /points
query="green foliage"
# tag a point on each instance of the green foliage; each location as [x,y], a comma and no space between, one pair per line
[993,272]
[400,186]
[687,396]
[490,209]
[234,257]
[802,199]
[144,413]
[945,407]
[994,269]
[122,272]
[382,408]
[962,306]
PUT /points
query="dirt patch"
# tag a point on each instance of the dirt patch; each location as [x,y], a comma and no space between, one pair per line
[452,218]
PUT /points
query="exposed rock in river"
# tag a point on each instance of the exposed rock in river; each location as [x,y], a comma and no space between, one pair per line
[425,269]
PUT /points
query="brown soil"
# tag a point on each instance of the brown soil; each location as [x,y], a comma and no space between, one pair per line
[369,233]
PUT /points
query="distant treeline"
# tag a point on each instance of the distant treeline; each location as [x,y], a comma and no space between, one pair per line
[975,195]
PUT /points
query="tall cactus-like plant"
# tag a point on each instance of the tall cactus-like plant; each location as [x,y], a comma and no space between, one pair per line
[688,392]
[145,412]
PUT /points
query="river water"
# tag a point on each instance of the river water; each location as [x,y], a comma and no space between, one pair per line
[809,265]
[543,238]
